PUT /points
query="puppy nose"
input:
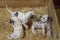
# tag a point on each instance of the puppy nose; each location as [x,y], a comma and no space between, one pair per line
[11,21]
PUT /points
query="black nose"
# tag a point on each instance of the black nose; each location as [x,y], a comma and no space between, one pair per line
[11,21]
[32,16]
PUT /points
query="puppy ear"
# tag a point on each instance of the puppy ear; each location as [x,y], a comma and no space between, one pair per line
[49,19]
[40,18]
[16,14]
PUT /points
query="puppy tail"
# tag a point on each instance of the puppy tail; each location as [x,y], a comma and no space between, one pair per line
[9,10]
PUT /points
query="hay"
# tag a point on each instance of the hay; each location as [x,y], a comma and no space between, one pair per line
[6,28]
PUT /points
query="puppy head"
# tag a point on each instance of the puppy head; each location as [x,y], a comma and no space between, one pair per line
[14,17]
[30,14]
[45,18]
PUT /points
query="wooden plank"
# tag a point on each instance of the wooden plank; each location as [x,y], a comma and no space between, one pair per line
[22,0]
[52,13]
[22,3]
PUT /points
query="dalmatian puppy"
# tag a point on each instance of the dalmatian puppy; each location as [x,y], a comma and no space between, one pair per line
[24,17]
[17,25]
[44,22]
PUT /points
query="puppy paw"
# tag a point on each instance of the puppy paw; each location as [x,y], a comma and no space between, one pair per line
[9,37]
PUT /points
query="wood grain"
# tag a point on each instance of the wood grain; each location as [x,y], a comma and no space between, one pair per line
[22,3]
[52,13]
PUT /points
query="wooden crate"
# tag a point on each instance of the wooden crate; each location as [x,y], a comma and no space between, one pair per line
[34,3]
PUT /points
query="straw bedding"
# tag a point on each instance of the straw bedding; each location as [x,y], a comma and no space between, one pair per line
[6,28]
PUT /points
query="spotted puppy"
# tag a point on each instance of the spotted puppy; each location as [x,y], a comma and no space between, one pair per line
[44,22]
[18,29]
[24,17]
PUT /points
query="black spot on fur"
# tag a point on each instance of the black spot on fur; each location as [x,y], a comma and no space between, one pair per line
[11,21]
[16,14]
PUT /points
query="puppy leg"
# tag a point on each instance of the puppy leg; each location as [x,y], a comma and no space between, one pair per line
[25,25]
[48,30]
[34,30]
[43,29]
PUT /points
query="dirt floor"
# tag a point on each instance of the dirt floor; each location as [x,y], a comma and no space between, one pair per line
[6,28]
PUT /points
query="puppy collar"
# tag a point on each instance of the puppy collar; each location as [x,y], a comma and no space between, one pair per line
[44,22]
